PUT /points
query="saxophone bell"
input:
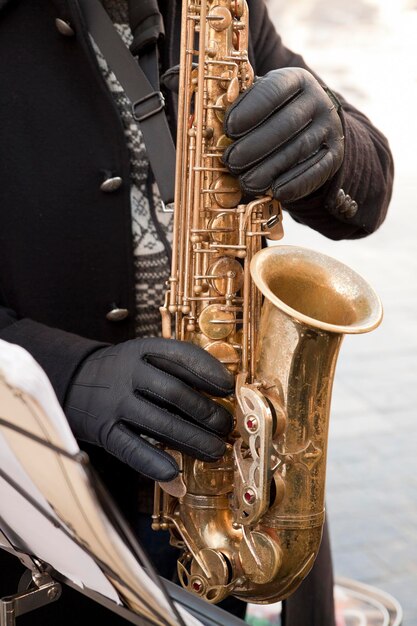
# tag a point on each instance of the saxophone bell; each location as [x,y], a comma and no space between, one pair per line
[310,302]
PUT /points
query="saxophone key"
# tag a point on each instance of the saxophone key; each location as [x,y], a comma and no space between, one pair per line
[233,90]
[237,8]
[226,276]
[225,353]
[216,323]
[227,192]
[219,18]
[260,557]
[223,228]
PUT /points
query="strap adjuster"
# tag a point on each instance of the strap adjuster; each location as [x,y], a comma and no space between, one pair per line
[136,106]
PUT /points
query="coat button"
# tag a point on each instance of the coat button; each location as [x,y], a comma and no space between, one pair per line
[345,204]
[340,198]
[111,184]
[117,315]
[352,210]
[64,28]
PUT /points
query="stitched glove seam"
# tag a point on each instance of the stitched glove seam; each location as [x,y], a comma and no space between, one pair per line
[177,418]
[304,170]
[291,98]
[155,432]
[78,384]
[154,450]
[171,402]
[285,143]
[98,358]
[186,367]
[74,408]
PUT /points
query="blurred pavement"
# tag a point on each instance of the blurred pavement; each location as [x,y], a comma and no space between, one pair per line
[367,50]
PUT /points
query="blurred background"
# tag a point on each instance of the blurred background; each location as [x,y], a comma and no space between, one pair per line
[367,50]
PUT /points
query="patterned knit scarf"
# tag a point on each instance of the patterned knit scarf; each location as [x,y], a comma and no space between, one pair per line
[151,227]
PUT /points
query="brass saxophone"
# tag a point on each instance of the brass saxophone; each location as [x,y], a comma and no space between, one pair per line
[251,524]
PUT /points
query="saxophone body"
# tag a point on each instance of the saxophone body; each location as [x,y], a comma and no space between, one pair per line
[250,524]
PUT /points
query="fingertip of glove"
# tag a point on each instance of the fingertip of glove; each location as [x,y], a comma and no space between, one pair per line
[165,475]
[229,389]
[222,387]
[229,158]
[163,469]
[227,423]
[229,126]
[217,451]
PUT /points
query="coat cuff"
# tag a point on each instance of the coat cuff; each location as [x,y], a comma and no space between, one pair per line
[350,205]
[59,353]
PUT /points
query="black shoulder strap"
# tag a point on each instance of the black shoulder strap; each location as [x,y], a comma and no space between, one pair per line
[147,101]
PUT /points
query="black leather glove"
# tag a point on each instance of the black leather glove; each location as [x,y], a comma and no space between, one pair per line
[288,135]
[151,387]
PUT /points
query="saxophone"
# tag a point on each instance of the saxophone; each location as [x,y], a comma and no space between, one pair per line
[249,525]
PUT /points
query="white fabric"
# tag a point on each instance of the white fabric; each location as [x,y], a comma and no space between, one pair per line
[30,528]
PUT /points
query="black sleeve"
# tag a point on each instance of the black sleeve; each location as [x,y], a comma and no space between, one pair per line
[367,171]
[59,353]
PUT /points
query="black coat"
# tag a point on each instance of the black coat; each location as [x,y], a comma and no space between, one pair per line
[65,246]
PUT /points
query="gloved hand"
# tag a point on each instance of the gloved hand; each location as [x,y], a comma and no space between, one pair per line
[151,387]
[288,135]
